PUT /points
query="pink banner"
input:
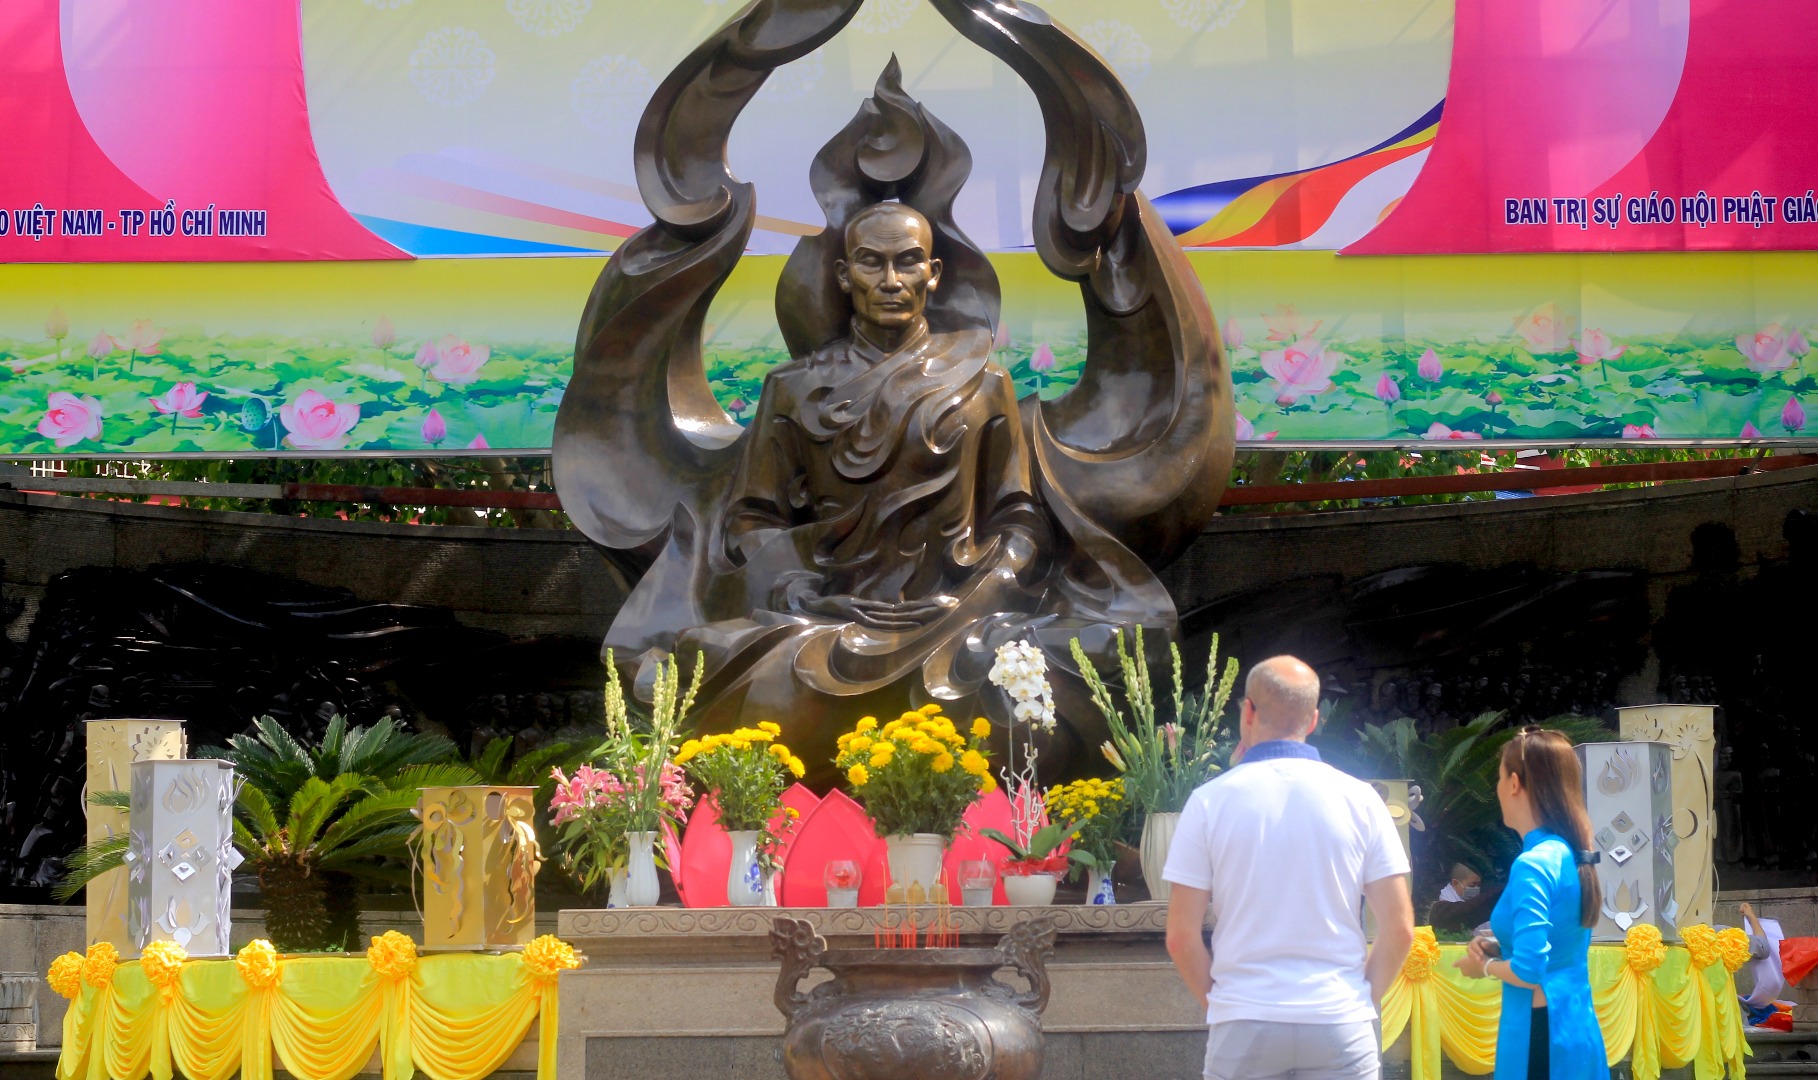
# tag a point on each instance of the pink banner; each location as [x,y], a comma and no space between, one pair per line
[1620,125]
[163,130]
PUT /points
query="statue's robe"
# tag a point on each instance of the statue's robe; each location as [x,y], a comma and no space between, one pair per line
[899,477]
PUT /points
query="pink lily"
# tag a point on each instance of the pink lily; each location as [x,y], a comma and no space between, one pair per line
[180,400]
[1301,370]
[69,419]
[1595,347]
[1767,350]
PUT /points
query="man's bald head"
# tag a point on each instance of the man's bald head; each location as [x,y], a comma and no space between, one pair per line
[890,222]
[1285,694]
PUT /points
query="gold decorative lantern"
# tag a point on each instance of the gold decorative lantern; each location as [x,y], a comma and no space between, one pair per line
[113,745]
[479,856]
[1690,733]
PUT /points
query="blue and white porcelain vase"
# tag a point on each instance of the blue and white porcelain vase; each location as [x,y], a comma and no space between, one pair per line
[746,883]
[1099,888]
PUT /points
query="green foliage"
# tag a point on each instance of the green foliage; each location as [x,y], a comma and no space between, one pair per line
[1162,762]
[1040,846]
[1457,773]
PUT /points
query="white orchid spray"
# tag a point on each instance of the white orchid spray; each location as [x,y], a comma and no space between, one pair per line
[1021,671]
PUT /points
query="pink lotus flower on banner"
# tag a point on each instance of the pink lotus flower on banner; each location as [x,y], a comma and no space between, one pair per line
[102,345]
[1429,367]
[1301,370]
[1595,347]
[1796,344]
[143,339]
[1042,359]
[1546,330]
[737,405]
[1637,431]
[1001,339]
[1792,416]
[1286,324]
[181,399]
[56,325]
[1439,432]
[1246,431]
[384,335]
[1767,350]
[435,429]
[1387,390]
[479,443]
[1234,335]
[457,361]
[427,355]
[1750,431]
[70,419]
[316,423]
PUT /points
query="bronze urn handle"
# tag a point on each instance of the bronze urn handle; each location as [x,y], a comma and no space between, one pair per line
[794,942]
[1027,948]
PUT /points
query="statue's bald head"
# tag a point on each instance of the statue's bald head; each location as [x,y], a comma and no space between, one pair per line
[891,223]
[1284,692]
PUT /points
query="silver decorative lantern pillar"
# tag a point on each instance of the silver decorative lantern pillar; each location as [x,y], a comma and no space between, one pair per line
[1629,794]
[1691,732]
[181,859]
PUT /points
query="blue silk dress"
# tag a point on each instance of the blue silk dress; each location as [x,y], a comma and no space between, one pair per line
[1536,924]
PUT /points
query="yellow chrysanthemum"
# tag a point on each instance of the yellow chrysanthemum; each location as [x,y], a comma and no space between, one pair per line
[778,751]
[1423,957]
[548,956]
[258,964]
[858,776]
[98,966]
[878,761]
[1701,941]
[162,962]
[868,723]
[771,726]
[392,955]
[942,763]
[931,709]
[1644,948]
[846,740]
[65,976]
[791,812]
[1733,945]
[796,768]
[986,784]
[975,763]
[981,728]
[861,745]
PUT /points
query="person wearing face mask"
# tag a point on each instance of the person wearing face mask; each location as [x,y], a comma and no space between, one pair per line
[1466,883]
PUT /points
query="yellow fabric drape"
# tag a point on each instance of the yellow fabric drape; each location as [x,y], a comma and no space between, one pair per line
[1664,1018]
[456,1016]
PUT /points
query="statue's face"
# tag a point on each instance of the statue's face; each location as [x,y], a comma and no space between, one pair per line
[888,270]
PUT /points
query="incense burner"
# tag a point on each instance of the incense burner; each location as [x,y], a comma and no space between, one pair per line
[927,1014]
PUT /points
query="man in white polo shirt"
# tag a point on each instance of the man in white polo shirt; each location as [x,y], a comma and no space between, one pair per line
[1281,847]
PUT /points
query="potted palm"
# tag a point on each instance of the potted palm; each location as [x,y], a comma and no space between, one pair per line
[1161,762]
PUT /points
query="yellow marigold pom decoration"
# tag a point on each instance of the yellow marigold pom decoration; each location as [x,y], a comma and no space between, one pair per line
[65,975]
[1423,957]
[549,956]
[162,962]
[1701,941]
[1733,945]
[98,966]
[858,776]
[258,964]
[392,955]
[1646,951]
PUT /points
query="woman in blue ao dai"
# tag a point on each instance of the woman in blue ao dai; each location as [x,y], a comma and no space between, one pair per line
[1542,941]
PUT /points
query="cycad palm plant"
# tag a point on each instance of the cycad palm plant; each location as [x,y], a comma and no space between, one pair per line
[315,821]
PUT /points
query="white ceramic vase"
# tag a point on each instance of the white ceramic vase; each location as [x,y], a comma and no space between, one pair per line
[1030,890]
[1158,834]
[916,860]
[746,883]
[1100,891]
[641,886]
[615,883]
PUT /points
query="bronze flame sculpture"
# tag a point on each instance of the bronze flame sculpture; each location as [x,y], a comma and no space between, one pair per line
[893,513]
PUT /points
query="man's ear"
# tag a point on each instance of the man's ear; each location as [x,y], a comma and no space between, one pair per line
[934,274]
[843,274]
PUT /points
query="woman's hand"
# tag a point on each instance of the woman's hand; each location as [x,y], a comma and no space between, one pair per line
[1475,960]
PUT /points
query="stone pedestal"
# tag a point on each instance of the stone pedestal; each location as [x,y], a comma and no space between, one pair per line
[697,984]
[479,859]
[1690,731]
[19,1011]
[113,745]
[180,866]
